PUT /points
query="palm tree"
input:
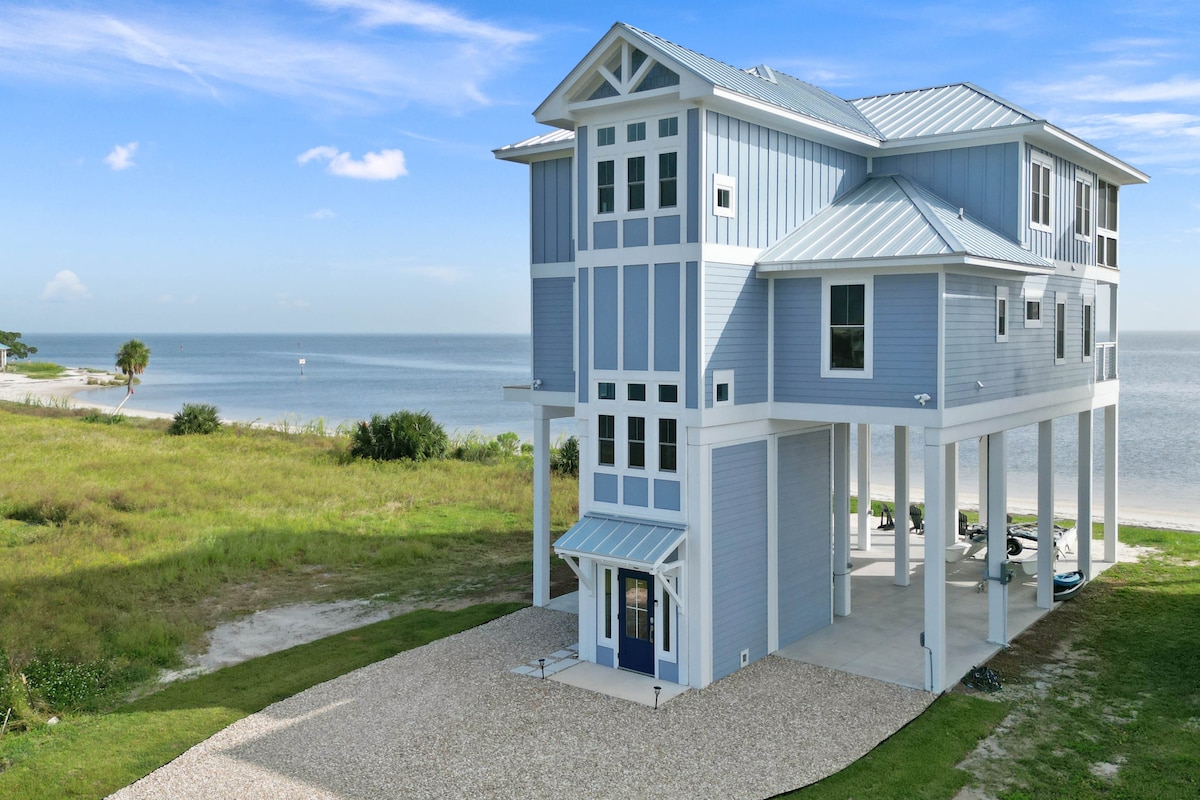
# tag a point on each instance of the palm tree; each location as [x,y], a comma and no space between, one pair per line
[132,359]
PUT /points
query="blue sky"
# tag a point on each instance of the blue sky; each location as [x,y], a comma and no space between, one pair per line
[326,166]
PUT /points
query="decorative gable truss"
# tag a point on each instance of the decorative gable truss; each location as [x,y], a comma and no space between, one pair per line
[625,70]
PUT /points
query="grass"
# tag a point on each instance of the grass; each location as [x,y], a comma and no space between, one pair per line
[36,369]
[94,755]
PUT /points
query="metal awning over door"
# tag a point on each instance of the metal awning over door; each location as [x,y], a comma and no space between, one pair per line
[638,544]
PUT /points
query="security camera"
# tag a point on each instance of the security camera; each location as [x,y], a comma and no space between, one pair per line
[922,398]
[537,383]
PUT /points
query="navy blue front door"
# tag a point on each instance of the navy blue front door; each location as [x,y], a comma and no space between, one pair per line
[635,617]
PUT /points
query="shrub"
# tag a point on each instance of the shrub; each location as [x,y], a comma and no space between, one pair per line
[565,458]
[195,418]
[62,684]
[408,435]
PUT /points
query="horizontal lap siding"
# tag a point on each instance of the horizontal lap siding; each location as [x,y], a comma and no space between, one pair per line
[739,554]
[782,180]
[551,212]
[805,536]
[904,340]
[553,320]
[735,330]
[985,180]
[1022,365]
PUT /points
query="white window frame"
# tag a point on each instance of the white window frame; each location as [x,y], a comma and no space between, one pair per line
[658,442]
[671,655]
[729,184]
[1088,337]
[1033,296]
[867,372]
[1000,319]
[1047,163]
[604,573]
[722,376]
[1089,194]
[1103,235]
[1060,318]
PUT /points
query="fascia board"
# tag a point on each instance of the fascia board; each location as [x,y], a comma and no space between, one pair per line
[900,262]
[539,152]
[554,108]
[786,121]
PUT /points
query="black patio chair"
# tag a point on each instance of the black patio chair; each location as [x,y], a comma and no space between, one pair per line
[917,519]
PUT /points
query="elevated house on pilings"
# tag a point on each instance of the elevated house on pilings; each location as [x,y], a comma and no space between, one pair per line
[729,268]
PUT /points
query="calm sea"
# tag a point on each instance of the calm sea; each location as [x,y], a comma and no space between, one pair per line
[459,378]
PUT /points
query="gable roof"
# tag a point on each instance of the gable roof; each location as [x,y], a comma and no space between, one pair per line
[889,218]
[955,108]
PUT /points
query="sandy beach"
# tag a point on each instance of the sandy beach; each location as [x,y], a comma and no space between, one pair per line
[72,386]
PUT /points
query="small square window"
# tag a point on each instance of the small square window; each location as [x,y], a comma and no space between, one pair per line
[722,392]
[668,127]
[724,196]
[668,393]
[636,391]
[635,132]
[722,386]
[1033,309]
[605,136]
[607,390]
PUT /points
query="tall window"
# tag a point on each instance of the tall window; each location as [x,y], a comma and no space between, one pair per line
[637,442]
[667,169]
[1088,330]
[667,431]
[1060,329]
[607,436]
[605,187]
[1039,193]
[637,183]
[1083,209]
[1106,224]
[847,326]
[1001,313]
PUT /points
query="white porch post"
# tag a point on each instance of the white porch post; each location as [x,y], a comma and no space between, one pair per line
[841,519]
[937,506]
[901,568]
[1110,484]
[541,507]
[997,550]
[983,480]
[864,487]
[1083,512]
[1045,504]
[951,498]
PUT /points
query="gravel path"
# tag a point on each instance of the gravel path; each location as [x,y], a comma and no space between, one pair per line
[450,720]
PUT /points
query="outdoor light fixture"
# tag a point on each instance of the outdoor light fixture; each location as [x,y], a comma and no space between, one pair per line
[542,664]
[657,689]
[922,398]
[537,383]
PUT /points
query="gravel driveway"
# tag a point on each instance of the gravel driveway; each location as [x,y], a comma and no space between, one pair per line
[450,720]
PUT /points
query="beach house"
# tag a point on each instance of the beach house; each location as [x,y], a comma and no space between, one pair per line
[729,269]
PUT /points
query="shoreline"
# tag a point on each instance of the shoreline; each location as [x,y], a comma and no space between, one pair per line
[72,388]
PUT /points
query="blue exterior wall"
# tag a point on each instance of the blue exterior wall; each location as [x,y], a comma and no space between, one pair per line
[1024,364]
[1061,244]
[666,495]
[581,184]
[805,535]
[984,180]
[606,656]
[604,487]
[666,229]
[583,334]
[739,554]
[782,180]
[635,491]
[691,388]
[636,320]
[666,317]
[604,235]
[692,210]
[635,232]
[735,331]
[550,229]
[604,344]
[905,332]
[553,317]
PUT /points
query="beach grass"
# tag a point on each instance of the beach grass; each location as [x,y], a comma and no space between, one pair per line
[37,369]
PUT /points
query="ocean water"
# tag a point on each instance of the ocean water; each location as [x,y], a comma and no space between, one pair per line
[459,380]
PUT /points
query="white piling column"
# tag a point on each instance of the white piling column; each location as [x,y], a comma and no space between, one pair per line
[951,498]
[864,487]
[936,527]
[1083,512]
[1110,484]
[1045,504]
[902,521]
[983,480]
[541,507]
[997,551]
[841,519]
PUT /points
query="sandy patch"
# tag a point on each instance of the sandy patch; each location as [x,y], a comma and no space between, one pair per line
[71,387]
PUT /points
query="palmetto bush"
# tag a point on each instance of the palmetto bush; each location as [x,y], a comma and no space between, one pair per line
[412,435]
[564,459]
[195,418]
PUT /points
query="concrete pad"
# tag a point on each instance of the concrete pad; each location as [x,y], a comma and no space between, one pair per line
[620,683]
[568,602]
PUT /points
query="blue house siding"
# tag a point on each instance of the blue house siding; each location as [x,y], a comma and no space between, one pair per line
[604,487]
[1022,365]
[666,229]
[735,331]
[666,495]
[553,317]
[635,232]
[692,337]
[636,344]
[983,180]
[666,317]
[739,555]
[805,535]
[604,235]
[550,229]
[782,180]
[1061,244]
[583,334]
[905,332]
[604,346]
[635,491]
[581,185]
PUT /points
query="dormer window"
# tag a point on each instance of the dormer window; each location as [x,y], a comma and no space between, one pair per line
[1040,172]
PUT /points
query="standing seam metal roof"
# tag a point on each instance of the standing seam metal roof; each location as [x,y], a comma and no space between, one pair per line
[617,538]
[943,109]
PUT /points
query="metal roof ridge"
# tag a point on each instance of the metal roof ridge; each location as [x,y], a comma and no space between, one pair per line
[931,218]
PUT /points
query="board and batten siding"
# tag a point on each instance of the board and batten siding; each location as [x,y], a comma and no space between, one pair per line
[1024,364]
[551,209]
[739,555]
[782,180]
[983,180]
[735,331]
[1060,243]
[905,340]
[553,315]
[805,535]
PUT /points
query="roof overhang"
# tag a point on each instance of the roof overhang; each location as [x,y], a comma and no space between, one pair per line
[777,268]
[643,545]
[522,153]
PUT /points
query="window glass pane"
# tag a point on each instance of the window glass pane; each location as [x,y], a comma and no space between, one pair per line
[637,183]
[605,178]
[667,432]
[606,136]
[609,579]
[667,165]
[606,435]
[668,393]
[637,441]
[666,621]
[1033,310]
[635,131]
[607,391]
[847,348]
[636,391]
[847,304]
[637,609]
[668,127]
[1001,317]
[1087,330]
[724,198]
[1060,330]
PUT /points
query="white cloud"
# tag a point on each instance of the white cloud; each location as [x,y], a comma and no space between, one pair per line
[426,16]
[65,286]
[322,213]
[386,165]
[121,156]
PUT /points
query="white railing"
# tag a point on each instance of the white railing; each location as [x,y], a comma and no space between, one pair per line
[1106,361]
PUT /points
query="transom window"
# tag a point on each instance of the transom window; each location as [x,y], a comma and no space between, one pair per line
[667,179]
[637,183]
[606,136]
[606,435]
[605,187]
[636,391]
[606,390]
[668,393]
[635,132]
[668,127]
[1039,192]
[847,326]
[1106,224]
